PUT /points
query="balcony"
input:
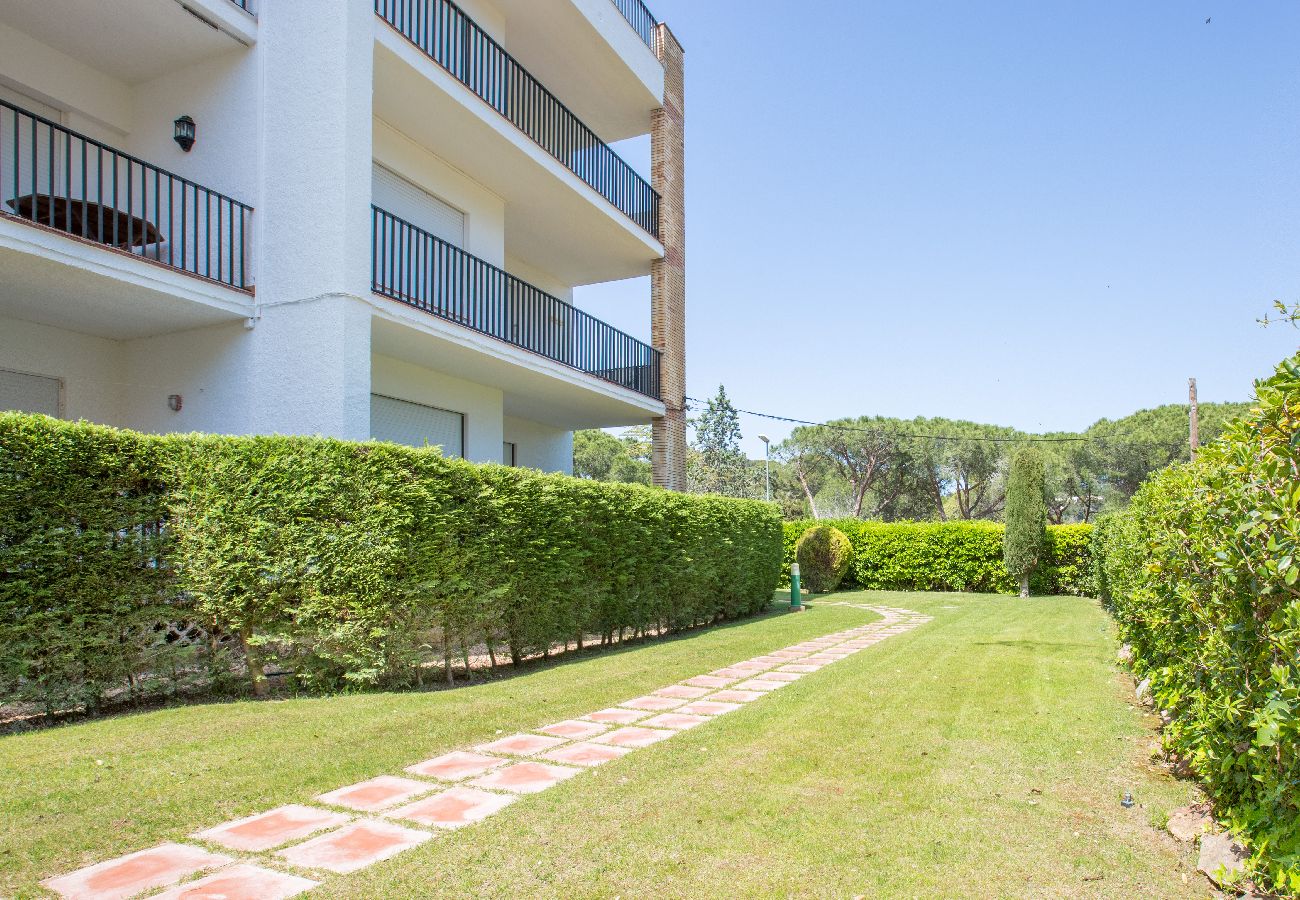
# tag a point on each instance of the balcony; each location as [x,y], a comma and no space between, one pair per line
[415,268]
[451,39]
[62,181]
[643,22]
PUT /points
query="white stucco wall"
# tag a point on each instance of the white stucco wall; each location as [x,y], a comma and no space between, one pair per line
[480,405]
[90,367]
[208,367]
[540,446]
[103,104]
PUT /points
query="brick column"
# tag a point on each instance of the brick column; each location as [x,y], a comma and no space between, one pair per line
[668,275]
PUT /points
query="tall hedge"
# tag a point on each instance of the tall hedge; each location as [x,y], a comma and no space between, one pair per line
[346,563]
[1025,537]
[953,556]
[1202,573]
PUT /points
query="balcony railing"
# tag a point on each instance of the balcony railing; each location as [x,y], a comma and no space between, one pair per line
[411,266]
[53,176]
[444,33]
[643,22]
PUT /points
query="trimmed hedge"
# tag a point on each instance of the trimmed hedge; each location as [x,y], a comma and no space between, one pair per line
[347,563]
[953,556]
[1202,573]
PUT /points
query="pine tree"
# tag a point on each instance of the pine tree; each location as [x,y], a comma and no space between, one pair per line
[1026,516]
[718,466]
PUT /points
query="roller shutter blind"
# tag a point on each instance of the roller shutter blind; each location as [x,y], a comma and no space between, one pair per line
[394,194]
[29,393]
[416,425]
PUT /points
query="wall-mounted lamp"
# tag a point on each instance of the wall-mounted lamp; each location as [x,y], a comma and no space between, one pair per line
[175,402]
[185,131]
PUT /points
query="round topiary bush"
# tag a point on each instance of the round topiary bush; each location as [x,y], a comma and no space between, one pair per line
[824,554]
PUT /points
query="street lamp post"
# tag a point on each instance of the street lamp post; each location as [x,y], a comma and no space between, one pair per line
[767,463]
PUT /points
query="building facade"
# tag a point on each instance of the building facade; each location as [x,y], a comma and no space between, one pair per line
[354,218]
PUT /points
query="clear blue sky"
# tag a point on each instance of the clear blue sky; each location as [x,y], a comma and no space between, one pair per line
[1034,214]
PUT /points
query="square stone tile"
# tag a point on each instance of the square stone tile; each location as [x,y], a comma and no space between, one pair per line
[769,659]
[272,828]
[675,721]
[786,655]
[732,672]
[354,846]
[736,696]
[682,691]
[760,684]
[750,665]
[456,766]
[126,876]
[521,744]
[707,708]
[526,777]
[801,668]
[453,808]
[617,716]
[584,754]
[376,794]
[821,659]
[241,882]
[710,681]
[781,676]
[654,704]
[634,737]
[575,730]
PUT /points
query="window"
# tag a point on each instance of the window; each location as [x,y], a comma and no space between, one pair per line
[21,392]
[416,425]
[509,454]
[394,194]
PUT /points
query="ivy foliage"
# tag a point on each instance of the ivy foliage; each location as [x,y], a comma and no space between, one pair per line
[348,564]
[953,556]
[824,555]
[1202,573]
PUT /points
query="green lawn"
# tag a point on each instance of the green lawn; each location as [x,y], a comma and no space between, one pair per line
[981,755]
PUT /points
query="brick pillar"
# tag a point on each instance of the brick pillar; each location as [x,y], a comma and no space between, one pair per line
[668,275]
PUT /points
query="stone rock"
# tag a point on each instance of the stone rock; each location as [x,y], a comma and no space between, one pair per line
[1190,822]
[1222,859]
[1125,653]
[1143,689]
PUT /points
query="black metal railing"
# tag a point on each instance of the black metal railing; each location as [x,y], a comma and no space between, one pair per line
[444,33]
[414,267]
[53,176]
[643,21]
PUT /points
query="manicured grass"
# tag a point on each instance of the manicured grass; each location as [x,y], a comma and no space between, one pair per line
[981,755]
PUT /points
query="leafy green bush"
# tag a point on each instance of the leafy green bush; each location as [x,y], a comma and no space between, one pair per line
[952,556]
[347,563]
[1202,573]
[824,555]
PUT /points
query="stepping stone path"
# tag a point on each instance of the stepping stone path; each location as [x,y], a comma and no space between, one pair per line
[361,824]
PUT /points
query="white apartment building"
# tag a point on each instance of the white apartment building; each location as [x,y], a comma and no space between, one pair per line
[355,218]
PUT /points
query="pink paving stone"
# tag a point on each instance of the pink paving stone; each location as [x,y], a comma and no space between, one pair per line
[676,721]
[786,654]
[354,846]
[574,730]
[134,873]
[801,668]
[709,681]
[376,794]
[272,828]
[526,777]
[731,672]
[781,676]
[682,691]
[750,666]
[617,716]
[633,737]
[241,882]
[454,808]
[585,754]
[521,744]
[770,659]
[456,765]
[760,684]
[736,696]
[656,704]
[708,708]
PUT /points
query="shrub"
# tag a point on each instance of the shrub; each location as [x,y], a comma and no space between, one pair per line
[824,555]
[952,556]
[1026,517]
[1202,573]
[352,564]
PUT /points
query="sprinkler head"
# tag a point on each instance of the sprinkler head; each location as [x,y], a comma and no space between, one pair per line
[1127,801]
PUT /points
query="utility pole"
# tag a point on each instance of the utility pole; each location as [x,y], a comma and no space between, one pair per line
[1195,425]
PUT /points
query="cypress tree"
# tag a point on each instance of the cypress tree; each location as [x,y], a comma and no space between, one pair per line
[1026,516]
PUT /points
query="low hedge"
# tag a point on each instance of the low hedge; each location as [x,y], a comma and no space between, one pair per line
[129,563]
[1202,573]
[952,556]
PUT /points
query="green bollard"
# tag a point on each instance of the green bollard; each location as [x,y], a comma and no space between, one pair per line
[796,603]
